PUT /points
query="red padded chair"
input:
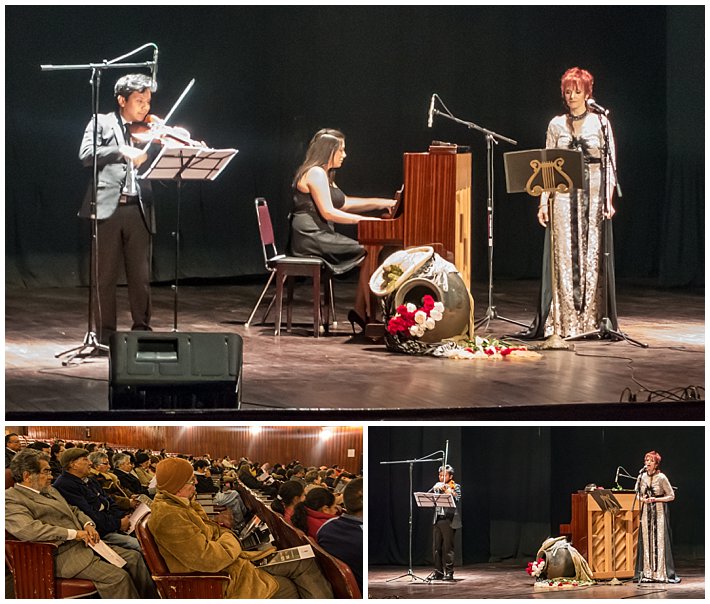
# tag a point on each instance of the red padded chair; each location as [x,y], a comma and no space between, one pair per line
[177,585]
[32,566]
[285,268]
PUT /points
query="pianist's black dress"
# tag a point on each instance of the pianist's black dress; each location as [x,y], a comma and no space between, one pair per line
[311,235]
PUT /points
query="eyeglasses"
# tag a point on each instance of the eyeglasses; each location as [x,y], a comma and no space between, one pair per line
[46,471]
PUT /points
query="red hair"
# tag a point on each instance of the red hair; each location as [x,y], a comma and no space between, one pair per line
[579,79]
[654,456]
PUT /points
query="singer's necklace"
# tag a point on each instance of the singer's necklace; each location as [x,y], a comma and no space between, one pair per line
[576,118]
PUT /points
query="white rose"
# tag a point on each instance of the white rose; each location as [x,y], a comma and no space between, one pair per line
[420,317]
[439,306]
[414,331]
[436,315]
[411,307]
[430,323]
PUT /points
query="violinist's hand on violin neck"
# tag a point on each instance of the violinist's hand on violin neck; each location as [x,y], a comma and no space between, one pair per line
[133,154]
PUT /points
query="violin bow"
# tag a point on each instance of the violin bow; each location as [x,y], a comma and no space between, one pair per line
[173,108]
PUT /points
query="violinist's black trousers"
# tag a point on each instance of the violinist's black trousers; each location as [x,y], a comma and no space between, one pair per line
[444,545]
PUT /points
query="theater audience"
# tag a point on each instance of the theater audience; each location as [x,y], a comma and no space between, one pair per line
[316,509]
[56,466]
[12,445]
[142,469]
[329,479]
[341,481]
[245,475]
[299,474]
[203,476]
[109,481]
[40,446]
[35,511]
[342,536]
[123,469]
[291,492]
[80,489]
[313,480]
[190,542]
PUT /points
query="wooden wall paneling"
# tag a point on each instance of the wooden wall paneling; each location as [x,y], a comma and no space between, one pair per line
[274,444]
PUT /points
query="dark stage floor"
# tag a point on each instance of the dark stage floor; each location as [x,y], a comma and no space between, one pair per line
[506,581]
[349,377]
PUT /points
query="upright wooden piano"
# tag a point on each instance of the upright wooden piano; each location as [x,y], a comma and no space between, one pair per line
[436,210]
[609,546]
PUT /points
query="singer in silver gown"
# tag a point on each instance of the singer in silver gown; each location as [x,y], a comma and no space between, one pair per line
[572,290]
[654,562]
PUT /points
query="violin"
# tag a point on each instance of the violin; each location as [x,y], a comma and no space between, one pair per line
[154,130]
[446,487]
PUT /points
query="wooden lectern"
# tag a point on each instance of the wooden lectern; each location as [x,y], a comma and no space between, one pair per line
[607,543]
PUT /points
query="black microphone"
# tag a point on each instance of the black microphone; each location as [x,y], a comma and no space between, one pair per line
[430,121]
[594,106]
[154,69]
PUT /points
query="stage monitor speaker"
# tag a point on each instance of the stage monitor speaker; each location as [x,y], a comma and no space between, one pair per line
[150,370]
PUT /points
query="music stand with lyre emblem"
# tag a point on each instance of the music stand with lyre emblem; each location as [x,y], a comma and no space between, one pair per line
[538,171]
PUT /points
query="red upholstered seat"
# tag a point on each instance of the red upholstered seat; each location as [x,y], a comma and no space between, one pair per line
[32,566]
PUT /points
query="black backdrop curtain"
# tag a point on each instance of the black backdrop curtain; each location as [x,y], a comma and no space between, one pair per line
[517,482]
[268,77]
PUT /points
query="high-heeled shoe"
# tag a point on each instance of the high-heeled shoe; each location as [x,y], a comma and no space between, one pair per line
[353,317]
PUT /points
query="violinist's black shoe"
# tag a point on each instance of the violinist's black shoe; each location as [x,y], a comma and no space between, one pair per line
[436,575]
[448,577]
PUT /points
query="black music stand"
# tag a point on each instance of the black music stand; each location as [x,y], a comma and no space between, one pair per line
[411,463]
[186,163]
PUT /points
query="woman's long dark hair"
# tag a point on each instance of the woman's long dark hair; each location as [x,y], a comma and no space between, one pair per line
[287,493]
[315,500]
[321,149]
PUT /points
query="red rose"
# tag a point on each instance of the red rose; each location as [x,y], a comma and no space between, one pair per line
[427,303]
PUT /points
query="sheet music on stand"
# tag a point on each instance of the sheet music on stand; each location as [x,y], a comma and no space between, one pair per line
[189,163]
[434,500]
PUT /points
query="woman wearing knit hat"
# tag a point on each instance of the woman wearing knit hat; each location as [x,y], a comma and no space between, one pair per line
[190,542]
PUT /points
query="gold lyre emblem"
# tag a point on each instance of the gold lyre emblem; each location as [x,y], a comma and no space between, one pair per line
[554,178]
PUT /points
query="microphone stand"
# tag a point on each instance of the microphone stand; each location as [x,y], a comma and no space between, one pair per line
[411,463]
[606,328]
[637,489]
[491,139]
[91,345]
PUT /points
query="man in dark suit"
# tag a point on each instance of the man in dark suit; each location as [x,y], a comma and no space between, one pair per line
[123,206]
[122,468]
[446,522]
[12,446]
[35,511]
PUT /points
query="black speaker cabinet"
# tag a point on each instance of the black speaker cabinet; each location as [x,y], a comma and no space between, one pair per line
[175,370]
